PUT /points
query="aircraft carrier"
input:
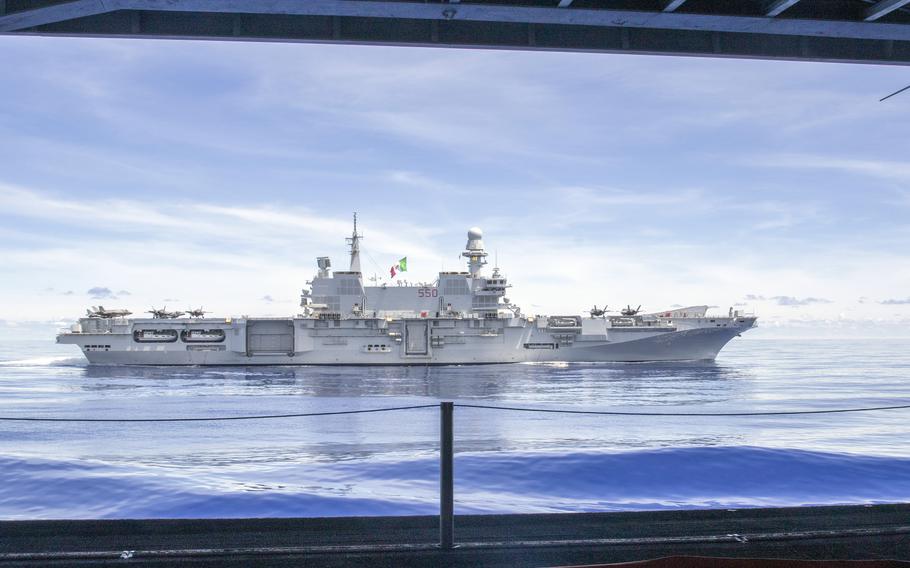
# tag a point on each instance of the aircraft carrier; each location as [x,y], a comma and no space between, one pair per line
[461,318]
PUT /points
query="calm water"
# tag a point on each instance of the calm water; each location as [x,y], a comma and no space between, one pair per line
[377,464]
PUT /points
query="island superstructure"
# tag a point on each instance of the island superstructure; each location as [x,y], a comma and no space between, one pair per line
[462,318]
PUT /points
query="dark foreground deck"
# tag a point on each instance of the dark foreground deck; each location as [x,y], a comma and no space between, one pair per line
[856,532]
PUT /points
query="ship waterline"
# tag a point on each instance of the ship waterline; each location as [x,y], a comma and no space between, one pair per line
[461,318]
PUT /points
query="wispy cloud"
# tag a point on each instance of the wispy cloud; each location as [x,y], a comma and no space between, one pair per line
[418,180]
[250,227]
[52,290]
[771,215]
[594,197]
[790,301]
[898,171]
[101,293]
[895,302]
[793,301]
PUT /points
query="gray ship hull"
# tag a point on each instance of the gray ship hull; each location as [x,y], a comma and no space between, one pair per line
[690,345]
[459,343]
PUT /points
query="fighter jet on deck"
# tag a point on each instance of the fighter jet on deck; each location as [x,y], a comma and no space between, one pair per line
[100,312]
[164,314]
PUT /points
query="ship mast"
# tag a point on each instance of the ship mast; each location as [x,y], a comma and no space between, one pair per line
[354,243]
[474,252]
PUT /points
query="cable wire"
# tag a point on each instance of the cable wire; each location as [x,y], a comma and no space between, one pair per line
[216,418]
[899,91]
[480,406]
[620,413]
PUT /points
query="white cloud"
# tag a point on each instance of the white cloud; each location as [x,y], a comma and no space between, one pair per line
[191,224]
[898,171]
[101,293]
[795,302]
[597,198]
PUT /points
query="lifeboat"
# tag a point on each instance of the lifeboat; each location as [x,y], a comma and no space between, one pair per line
[155,335]
[202,335]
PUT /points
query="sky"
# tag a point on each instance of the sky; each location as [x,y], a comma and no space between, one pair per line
[137,173]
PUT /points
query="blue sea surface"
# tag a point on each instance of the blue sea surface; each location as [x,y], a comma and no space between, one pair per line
[506,462]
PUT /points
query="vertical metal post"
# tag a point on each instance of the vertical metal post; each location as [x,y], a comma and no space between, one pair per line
[446,476]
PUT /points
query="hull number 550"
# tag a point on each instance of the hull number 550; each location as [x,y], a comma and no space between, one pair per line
[427,292]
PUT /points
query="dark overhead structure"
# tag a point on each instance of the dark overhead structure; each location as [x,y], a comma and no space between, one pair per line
[862,31]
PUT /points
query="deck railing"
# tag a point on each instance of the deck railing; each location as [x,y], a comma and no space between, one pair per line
[447,435]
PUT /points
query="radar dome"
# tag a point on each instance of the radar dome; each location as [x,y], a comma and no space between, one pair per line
[475,239]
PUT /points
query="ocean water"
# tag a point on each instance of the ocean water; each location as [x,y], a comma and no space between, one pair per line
[506,462]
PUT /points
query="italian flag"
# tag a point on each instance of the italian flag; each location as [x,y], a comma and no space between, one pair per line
[402,266]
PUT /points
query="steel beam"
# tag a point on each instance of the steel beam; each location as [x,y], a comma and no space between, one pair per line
[446,475]
[778,6]
[672,5]
[52,14]
[478,24]
[475,13]
[883,8]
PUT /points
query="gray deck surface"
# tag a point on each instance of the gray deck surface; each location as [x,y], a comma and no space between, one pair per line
[855,532]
